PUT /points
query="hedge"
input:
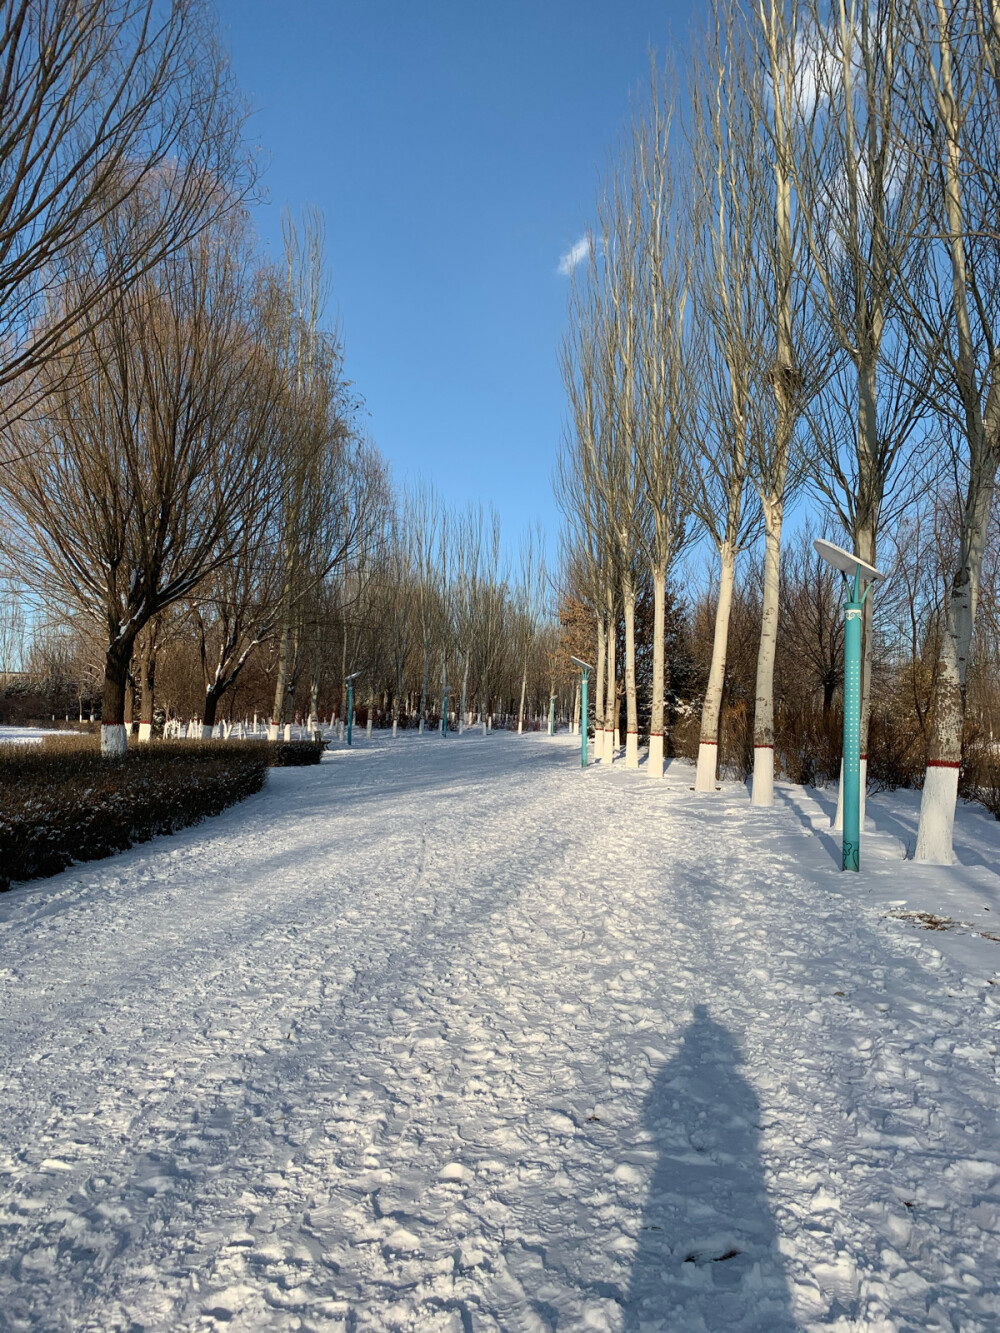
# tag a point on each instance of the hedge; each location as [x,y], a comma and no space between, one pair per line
[62,802]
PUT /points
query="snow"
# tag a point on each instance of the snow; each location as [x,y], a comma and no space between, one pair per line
[29,735]
[452,1035]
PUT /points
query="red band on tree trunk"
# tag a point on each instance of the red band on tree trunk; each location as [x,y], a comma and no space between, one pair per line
[708,742]
[944,763]
[764,745]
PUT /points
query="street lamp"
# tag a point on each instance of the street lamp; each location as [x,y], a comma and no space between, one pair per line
[585,669]
[856,572]
[350,704]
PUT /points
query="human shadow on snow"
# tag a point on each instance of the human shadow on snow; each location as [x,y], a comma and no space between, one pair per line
[707,1257]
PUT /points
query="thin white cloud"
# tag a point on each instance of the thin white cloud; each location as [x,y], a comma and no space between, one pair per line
[576,254]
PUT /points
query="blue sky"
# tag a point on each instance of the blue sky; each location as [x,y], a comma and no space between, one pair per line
[454,147]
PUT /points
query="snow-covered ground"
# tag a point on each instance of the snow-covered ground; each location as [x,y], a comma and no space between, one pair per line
[30,735]
[450,1035]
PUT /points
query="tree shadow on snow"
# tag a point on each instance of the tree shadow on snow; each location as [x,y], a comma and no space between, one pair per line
[707,1258]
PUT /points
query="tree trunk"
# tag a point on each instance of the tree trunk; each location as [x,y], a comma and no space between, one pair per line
[599,684]
[423,683]
[212,697]
[944,751]
[280,684]
[655,763]
[711,713]
[147,685]
[465,693]
[610,706]
[631,708]
[114,741]
[524,689]
[763,717]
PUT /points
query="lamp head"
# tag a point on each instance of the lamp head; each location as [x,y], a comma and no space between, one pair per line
[845,561]
[584,666]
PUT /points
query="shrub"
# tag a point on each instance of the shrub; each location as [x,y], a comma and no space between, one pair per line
[288,754]
[980,775]
[62,802]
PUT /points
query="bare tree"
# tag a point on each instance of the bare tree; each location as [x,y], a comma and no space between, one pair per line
[122,484]
[730,326]
[781,276]
[423,518]
[666,372]
[859,197]
[530,593]
[952,298]
[101,105]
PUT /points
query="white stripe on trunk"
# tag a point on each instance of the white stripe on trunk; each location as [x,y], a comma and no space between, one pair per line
[937,815]
[655,764]
[763,775]
[114,740]
[708,754]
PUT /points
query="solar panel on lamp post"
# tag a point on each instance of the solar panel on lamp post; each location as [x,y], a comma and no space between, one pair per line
[585,669]
[350,704]
[856,572]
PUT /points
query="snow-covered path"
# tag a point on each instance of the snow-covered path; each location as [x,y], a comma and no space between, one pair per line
[452,1036]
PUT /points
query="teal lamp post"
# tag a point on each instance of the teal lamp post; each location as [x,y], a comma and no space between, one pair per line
[585,670]
[859,577]
[552,713]
[350,704]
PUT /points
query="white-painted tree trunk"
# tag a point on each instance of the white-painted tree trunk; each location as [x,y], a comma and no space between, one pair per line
[762,793]
[395,724]
[273,731]
[979,394]
[656,756]
[420,727]
[114,740]
[654,765]
[708,748]
[206,732]
[937,814]
[631,705]
[611,698]
[145,733]
[288,731]
[940,794]
[599,684]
